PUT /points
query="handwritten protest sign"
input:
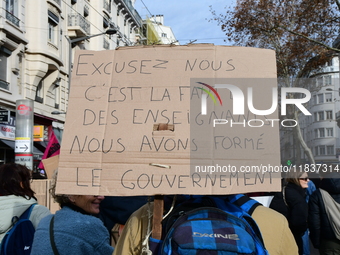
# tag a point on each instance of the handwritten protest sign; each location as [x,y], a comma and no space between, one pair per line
[134,123]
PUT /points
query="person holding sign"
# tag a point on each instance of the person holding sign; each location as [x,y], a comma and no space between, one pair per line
[74,229]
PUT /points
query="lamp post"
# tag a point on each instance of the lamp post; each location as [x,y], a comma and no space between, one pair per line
[109,31]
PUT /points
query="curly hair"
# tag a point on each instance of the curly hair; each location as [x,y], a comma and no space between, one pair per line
[60,199]
[15,179]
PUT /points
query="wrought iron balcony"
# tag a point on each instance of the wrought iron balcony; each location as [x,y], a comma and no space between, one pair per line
[128,10]
[12,18]
[4,85]
[77,20]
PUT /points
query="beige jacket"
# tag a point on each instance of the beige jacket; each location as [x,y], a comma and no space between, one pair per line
[276,234]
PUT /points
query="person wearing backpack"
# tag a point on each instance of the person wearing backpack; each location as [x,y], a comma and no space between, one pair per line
[278,240]
[322,234]
[16,196]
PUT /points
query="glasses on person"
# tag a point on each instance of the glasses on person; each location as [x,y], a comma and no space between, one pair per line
[304,179]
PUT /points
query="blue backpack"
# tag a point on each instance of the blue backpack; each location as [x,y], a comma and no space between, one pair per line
[210,225]
[18,240]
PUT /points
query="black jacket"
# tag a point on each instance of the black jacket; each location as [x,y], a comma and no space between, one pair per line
[318,222]
[298,209]
[293,206]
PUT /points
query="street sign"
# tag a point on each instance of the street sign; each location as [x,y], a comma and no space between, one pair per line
[4,116]
[22,145]
[24,159]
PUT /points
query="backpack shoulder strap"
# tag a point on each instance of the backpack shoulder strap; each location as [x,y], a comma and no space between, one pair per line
[244,202]
[27,213]
[248,205]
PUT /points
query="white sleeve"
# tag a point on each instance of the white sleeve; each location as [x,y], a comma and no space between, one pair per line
[38,212]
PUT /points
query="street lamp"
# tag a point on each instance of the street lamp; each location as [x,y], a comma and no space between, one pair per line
[109,31]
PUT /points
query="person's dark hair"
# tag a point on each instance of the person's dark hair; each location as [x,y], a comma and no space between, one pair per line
[15,180]
[59,198]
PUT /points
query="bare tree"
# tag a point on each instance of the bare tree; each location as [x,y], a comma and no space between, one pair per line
[302,33]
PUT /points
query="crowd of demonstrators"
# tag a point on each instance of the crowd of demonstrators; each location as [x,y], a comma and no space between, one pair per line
[74,229]
[274,228]
[322,235]
[16,196]
[84,222]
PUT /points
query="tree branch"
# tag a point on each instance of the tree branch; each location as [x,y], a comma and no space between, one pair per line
[337,2]
[310,39]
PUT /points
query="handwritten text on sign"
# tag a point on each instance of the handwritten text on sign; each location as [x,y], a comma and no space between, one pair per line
[112,143]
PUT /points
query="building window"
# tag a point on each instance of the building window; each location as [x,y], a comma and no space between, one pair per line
[53,21]
[330,150]
[316,133]
[330,62]
[12,12]
[328,97]
[316,150]
[39,94]
[314,99]
[321,132]
[329,115]
[321,116]
[55,94]
[315,116]
[11,6]
[322,150]
[327,80]
[3,71]
[320,98]
[164,35]
[105,22]
[329,132]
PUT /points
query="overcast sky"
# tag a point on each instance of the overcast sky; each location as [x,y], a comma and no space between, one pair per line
[188,19]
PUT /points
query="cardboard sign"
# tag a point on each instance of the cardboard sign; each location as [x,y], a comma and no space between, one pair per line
[134,124]
[51,165]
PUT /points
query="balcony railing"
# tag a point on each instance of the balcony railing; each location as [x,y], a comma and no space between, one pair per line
[4,85]
[12,18]
[75,19]
[132,11]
